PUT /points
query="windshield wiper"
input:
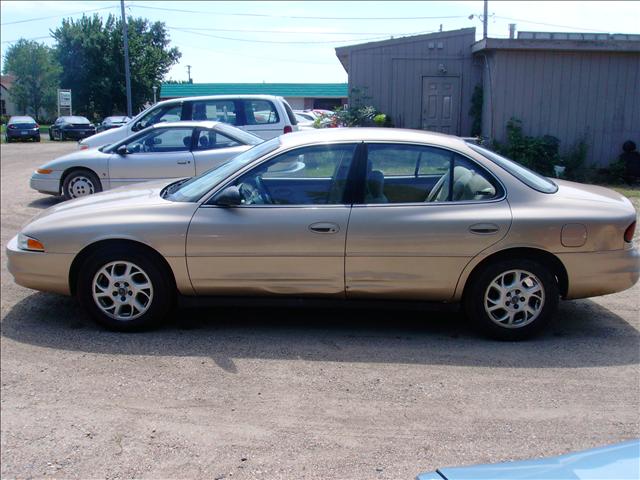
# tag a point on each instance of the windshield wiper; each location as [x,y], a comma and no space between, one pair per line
[172,187]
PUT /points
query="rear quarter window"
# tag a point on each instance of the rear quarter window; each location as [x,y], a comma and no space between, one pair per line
[528,177]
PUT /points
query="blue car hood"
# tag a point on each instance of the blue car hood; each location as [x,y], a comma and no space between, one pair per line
[614,462]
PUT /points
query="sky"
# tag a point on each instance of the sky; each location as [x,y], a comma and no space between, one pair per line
[278,42]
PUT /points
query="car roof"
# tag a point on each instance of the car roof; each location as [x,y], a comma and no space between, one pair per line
[188,124]
[368,135]
[224,97]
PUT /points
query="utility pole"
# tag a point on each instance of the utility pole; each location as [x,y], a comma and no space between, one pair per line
[154,94]
[127,72]
[484,18]
[189,72]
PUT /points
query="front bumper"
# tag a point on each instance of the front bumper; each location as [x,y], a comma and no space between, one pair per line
[49,183]
[47,272]
[600,273]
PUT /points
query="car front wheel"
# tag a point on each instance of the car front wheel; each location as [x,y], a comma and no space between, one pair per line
[124,289]
[80,183]
[512,299]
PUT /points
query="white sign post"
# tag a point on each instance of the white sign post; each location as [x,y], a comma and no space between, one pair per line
[64,102]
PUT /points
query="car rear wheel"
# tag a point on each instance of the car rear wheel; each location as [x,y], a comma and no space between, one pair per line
[80,183]
[124,289]
[512,299]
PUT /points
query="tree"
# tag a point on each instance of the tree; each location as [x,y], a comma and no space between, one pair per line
[36,71]
[91,53]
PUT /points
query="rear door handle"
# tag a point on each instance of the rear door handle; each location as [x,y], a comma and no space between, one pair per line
[182,162]
[324,227]
[484,228]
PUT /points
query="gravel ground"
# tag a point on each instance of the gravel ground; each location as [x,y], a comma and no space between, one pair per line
[292,393]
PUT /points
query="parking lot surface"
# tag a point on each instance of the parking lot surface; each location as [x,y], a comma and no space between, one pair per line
[296,393]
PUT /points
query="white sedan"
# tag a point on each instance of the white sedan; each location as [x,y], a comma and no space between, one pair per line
[163,151]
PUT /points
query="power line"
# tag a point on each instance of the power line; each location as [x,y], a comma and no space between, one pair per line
[547,24]
[307,32]
[288,42]
[34,38]
[55,16]
[297,17]
[281,42]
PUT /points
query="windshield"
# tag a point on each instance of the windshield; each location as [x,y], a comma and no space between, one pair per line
[526,176]
[244,137]
[192,190]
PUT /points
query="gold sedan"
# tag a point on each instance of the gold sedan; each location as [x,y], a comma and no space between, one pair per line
[340,214]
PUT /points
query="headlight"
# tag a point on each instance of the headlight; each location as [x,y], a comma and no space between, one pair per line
[30,244]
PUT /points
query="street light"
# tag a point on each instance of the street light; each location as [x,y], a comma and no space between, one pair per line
[154,94]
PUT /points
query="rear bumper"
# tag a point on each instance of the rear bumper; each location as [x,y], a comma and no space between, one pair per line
[600,273]
[17,134]
[47,272]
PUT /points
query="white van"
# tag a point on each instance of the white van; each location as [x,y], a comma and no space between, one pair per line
[266,116]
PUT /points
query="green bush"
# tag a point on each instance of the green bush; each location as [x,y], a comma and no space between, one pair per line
[542,153]
[475,112]
[360,113]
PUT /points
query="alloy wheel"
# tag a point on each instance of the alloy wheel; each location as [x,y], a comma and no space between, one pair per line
[122,290]
[514,299]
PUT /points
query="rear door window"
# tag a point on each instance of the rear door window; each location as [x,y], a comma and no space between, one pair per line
[260,112]
[225,111]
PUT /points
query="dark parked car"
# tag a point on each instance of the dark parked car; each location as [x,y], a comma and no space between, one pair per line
[22,128]
[113,122]
[71,127]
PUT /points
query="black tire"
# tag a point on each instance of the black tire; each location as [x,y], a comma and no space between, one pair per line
[91,184]
[163,291]
[51,136]
[37,139]
[474,301]
[8,140]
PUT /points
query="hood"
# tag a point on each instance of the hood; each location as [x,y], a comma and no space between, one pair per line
[75,158]
[112,135]
[620,462]
[124,200]
[589,193]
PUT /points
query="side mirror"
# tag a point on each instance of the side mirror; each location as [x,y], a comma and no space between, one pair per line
[135,127]
[229,197]
[122,150]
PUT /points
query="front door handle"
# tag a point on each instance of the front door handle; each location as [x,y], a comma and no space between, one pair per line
[484,228]
[324,227]
[182,162]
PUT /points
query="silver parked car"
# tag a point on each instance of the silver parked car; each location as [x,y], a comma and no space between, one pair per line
[266,116]
[340,214]
[620,461]
[163,151]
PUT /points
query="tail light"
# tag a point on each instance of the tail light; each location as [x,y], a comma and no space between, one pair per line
[628,233]
[37,126]
[288,129]
[12,127]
